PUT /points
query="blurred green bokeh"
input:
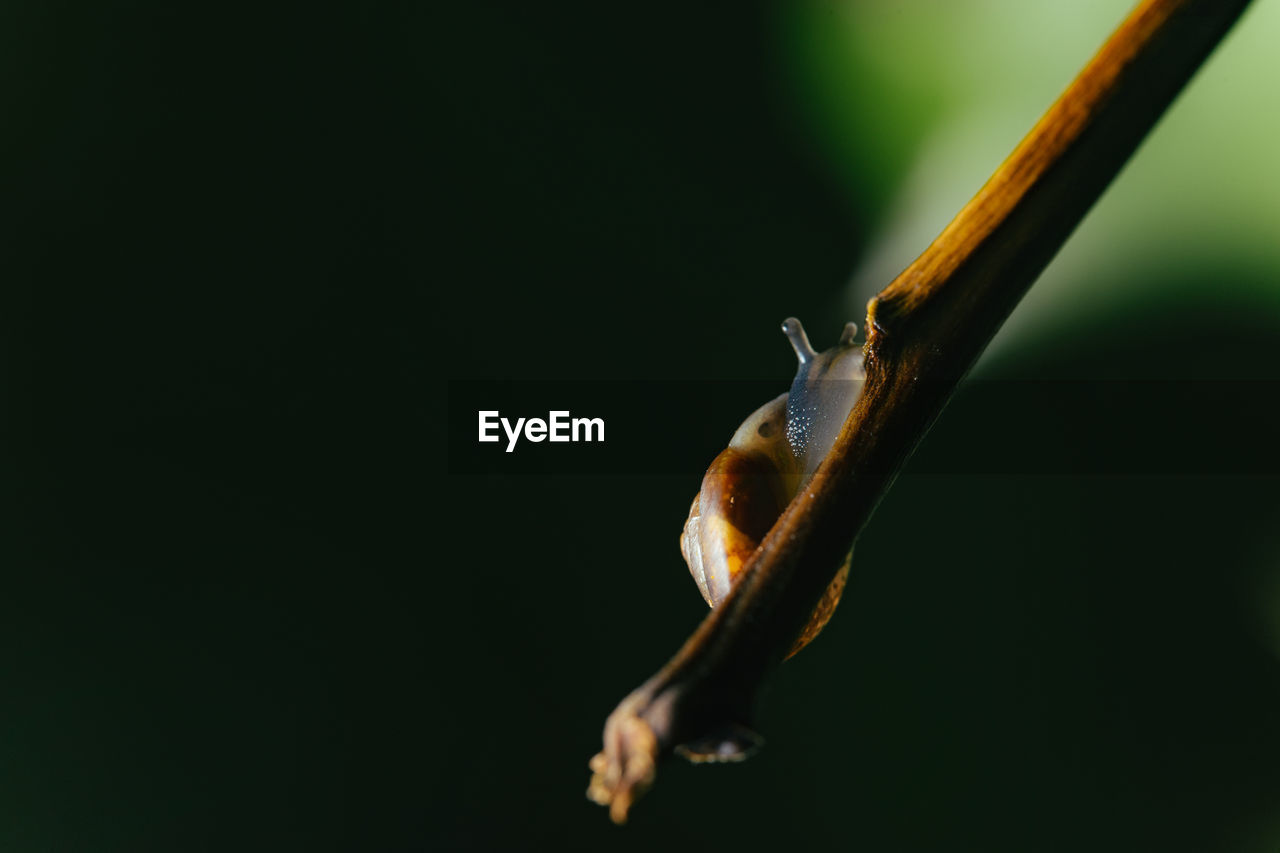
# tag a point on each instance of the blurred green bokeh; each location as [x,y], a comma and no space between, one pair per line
[912,119]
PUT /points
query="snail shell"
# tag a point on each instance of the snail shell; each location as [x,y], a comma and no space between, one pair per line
[769,459]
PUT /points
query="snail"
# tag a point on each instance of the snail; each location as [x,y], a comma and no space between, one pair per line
[769,459]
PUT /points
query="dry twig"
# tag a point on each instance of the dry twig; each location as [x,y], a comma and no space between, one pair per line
[925,330]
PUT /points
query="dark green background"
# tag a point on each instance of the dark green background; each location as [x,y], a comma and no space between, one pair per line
[245,607]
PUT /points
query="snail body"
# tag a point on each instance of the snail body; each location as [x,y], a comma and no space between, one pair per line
[771,456]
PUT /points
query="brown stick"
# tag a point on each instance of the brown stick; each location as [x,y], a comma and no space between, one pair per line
[925,330]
